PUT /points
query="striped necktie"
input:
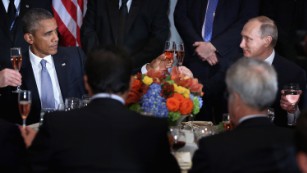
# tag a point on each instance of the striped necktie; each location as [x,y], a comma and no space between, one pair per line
[11,14]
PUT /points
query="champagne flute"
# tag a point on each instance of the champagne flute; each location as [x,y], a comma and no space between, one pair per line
[16,59]
[169,49]
[180,53]
[24,104]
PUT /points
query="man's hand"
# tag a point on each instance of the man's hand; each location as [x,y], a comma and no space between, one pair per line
[9,77]
[28,135]
[160,63]
[286,105]
[206,52]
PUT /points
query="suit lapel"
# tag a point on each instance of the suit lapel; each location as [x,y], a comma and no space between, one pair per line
[113,11]
[60,63]
[134,10]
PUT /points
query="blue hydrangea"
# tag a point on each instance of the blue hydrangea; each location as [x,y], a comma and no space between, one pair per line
[153,103]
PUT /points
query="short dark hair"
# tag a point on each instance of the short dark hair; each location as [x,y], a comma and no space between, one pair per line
[301,132]
[32,18]
[108,70]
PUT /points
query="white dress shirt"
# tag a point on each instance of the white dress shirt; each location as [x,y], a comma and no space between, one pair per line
[6,5]
[36,66]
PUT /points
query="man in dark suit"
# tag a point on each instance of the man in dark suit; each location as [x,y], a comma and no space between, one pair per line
[255,144]
[259,36]
[208,58]
[12,36]
[143,32]
[64,65]
[12,149]
[104,136]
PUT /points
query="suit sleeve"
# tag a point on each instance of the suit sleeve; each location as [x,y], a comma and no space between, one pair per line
[156,37]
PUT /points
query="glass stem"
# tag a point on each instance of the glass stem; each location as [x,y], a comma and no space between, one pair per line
[24,123]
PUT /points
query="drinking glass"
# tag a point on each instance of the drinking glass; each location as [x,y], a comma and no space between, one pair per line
[180,53]
[72,103]
[169,50]
[85,100]
[24,104]
[16,59]
[178,138]
[226,122]
[271,114]
[292,92]
[43,112]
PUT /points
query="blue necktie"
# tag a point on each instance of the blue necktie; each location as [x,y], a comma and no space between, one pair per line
[209,17]
[47,97]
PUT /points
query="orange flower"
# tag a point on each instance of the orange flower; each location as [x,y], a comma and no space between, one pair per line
[136,85]
[179,97]
[172,104]
[186,107]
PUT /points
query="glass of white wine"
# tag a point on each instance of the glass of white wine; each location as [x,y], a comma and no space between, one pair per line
[16,59]
[24,104]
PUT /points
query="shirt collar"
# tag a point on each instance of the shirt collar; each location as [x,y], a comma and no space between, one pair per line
[36,60]
[250,117]
[270,59]
[108,95]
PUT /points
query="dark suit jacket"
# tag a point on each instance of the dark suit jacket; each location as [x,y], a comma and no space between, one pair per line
[103,137]
[12,149]
[256,145]
[69,64]
[287,72]
[146,30]
[18,41]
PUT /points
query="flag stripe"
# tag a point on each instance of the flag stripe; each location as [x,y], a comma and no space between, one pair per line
[69,15]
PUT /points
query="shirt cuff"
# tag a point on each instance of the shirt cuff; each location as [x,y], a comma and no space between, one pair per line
[144,69]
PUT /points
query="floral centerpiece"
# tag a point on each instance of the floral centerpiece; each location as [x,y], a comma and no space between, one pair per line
[171,95]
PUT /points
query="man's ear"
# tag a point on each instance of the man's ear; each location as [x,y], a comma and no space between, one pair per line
[29,38]
[268,41]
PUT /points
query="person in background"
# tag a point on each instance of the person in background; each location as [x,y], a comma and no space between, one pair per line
[211,30]
[141,27]
[301,142]
[50,72]
[255,144]
[104,136]
[259,37]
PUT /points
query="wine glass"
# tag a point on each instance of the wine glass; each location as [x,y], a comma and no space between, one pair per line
[180,53]
[292,93]
[178,138]
[24,104]
[226,122]
[169,50]
[72,103]
[16,59]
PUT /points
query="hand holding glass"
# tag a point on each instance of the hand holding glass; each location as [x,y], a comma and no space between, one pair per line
[24,104]
[292,93]
[16,59]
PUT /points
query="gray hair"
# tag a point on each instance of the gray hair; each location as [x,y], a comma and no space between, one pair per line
[254,80]
[267,28]
[31,19]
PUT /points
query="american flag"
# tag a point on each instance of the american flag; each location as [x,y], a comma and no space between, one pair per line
[69,15]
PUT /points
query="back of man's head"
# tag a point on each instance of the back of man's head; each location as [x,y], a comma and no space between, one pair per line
[108,70]
[254,81]
[31,19]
